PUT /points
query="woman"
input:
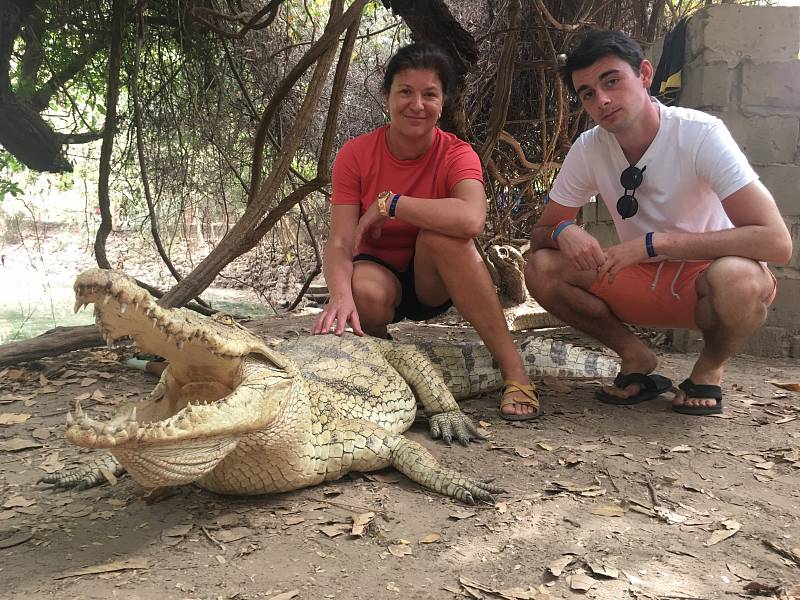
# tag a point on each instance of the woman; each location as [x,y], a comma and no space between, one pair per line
[407,200]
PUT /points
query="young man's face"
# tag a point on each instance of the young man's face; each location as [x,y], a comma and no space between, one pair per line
[612,93]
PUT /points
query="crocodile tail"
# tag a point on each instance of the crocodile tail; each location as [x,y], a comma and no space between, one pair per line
[546,356]
[469,369]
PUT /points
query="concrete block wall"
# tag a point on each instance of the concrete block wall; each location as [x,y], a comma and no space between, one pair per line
[743,65]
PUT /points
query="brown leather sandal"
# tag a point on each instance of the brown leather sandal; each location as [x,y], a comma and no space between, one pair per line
[531,398]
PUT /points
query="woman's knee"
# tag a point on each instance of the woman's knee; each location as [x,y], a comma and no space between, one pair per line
[433,243]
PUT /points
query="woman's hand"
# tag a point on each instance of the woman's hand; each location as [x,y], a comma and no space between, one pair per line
[371,223]
[340,311]
[622,255]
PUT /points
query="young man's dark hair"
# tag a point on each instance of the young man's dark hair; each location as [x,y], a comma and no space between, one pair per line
[596,44]
[420,55]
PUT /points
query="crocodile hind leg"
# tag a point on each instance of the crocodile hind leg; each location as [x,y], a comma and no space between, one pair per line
[86,476]
[361,446]
[446,419]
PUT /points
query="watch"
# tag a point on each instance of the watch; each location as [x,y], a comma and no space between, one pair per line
[383,199]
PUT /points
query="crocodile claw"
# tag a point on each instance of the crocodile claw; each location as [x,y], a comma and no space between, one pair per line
[86,476]
[454,424]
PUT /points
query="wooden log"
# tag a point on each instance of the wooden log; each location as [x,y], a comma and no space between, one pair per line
[51,343]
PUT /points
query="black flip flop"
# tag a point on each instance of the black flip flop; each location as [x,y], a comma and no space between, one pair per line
[699,390]
[652,386]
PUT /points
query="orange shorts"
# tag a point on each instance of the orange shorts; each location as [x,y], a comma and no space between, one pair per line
[657,294]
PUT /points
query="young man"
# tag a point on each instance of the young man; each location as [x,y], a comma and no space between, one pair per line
[696,227]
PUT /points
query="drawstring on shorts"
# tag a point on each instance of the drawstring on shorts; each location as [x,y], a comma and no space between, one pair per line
[675,294]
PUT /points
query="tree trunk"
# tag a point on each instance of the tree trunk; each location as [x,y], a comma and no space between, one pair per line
[23,132]
[50,343]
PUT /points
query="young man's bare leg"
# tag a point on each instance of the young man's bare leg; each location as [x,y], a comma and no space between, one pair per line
[376,292]
[732,299]
[447,267]
[563,291]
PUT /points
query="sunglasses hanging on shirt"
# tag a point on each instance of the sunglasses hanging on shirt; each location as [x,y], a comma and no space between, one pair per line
[631,178]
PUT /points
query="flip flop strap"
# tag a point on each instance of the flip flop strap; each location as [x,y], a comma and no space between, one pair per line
[623,380]
[531,396]
[700,390]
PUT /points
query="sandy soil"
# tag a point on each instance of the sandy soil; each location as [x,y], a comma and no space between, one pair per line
[629,502]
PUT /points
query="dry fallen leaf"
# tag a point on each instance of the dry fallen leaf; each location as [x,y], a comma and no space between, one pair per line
[557,566]
[18,502]
[431,538]
[294,520]
[15,540]
[742,571]
[462,514]
[335,529]
[286,595]
[678,449]
[41,433]
[523,452]
[580,582]
[792,387]
[608,510]
[52,463]
[17,444]
[600,568]
[226,536]
[122,565]
[13,418]
[730,527]
[361,522]
[399,550]
[87,381]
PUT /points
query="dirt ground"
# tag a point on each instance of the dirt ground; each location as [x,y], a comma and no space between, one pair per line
[629,502]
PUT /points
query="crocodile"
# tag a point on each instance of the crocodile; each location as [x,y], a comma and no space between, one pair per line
[234,415]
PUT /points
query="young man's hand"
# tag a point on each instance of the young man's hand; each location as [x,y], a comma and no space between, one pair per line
[620,256]
[581,248]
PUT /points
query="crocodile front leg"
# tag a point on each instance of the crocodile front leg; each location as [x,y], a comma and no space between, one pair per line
[446,419]
[85,476]
[357,445]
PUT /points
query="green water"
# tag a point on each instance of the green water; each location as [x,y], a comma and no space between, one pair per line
[28,309]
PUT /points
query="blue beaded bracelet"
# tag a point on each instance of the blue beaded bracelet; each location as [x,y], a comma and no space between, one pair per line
[648,243]
[561,227]
[393,205]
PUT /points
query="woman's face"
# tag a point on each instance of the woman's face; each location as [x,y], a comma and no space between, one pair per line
[415,102]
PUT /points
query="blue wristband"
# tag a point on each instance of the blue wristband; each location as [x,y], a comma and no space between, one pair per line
[561,227]
[393,205]
[648,243]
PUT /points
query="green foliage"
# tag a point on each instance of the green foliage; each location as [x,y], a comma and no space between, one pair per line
[8,166]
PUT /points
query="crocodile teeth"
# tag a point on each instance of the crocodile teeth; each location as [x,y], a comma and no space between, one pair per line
[70,419]
[107,298]
[180,345]
[78,409]
[78,305]
[122,308]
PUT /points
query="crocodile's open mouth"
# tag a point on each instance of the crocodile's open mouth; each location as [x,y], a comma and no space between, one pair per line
[218,371]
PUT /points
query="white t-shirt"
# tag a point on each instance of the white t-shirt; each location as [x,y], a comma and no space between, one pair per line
[692,164]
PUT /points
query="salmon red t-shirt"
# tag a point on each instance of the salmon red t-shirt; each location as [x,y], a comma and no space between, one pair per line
[365,166]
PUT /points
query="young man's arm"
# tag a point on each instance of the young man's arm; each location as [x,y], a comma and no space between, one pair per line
[759,233]
[581,248]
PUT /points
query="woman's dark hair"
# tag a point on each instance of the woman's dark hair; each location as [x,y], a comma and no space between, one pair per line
[420,55]
[596,44]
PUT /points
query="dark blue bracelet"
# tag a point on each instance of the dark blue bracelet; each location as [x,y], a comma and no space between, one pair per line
[648,243]
[393,205]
